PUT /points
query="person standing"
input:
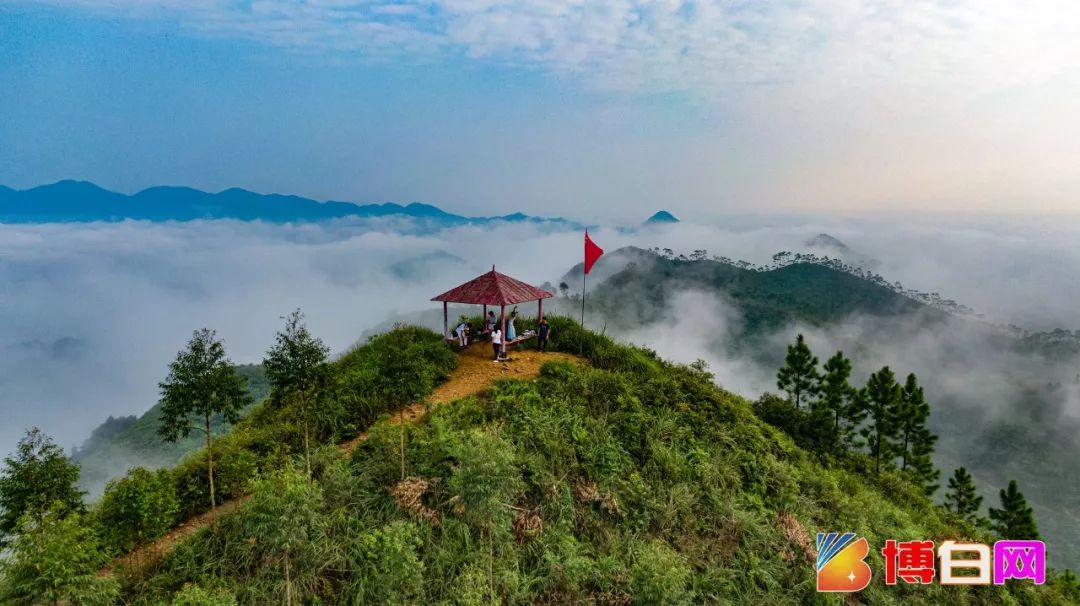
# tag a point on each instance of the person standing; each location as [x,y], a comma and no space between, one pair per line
[511,332]
[496,341]
[543,330]
[462,331]
[490,322]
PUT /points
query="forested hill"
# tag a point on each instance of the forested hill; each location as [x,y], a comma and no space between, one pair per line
[641,292]
[120,443]
[618,478]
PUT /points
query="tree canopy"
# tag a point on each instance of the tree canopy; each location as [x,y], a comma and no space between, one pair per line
[36,478]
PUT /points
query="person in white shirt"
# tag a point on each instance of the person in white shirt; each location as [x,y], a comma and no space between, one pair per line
[496,342]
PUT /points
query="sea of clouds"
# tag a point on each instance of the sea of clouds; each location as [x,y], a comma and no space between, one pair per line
[93,313]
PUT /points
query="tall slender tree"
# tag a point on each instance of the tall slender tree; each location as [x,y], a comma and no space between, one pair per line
[296,367]
[1015,520]
[35,479]
[961,498]
[837,396]
[915,444]
[799,377]
[882,403]
[202,383]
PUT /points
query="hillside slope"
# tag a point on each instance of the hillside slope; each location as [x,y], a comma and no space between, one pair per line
[640,293]
[630,481]
[119,444]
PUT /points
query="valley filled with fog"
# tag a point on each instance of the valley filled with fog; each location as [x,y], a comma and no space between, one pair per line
[93,313]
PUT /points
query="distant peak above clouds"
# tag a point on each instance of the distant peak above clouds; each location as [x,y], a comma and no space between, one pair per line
[661,216]
[81,201]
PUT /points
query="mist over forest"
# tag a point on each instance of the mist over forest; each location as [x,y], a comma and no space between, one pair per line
[94,312]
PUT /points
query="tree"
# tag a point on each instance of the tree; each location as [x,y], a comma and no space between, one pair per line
[35,478]
[286,514]
[137,508]
[55,560]
[484,481]
[1015,520]
[882,403]
[296,367]
[916,441]
[799,377]
[202,383]
[837,397]
[961,498]
[402,380]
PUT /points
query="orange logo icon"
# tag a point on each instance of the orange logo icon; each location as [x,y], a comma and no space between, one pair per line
[840,562]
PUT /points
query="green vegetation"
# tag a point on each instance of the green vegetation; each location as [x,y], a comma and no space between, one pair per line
[765,299]
[137,508]
[296,368]
[1014,520]
[625,481]
[799,377]
[201,385]
[121,443]
[55,560]
[961,498]
[36,479]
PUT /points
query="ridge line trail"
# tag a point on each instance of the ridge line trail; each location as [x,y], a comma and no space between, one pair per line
[475,372]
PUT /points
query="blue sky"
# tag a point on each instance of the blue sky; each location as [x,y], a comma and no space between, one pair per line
[610,108]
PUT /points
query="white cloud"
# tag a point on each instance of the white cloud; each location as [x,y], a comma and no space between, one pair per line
[837,47]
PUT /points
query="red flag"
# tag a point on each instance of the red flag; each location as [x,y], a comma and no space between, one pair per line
[592,252]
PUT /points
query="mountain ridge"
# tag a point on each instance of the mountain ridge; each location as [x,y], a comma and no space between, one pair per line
[72,201]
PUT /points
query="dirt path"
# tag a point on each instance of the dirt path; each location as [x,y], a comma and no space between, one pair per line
[475,372]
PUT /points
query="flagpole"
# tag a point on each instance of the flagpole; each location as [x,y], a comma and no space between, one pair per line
[584,275]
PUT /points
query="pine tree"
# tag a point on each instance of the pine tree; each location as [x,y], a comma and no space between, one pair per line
[202,383]
[961,498]
[854,416]
[296,368]
[1015,520]
[837,397]
[882,405]
[799,377]
[36,478]
[916,441]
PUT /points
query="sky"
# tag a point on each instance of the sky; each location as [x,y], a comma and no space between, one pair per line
[598,110]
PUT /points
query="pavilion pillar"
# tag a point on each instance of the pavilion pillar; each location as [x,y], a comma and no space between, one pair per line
[445,321]
[539,310]
[502,315]
[484,318]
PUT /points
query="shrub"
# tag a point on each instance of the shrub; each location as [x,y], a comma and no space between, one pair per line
[55,560]
[194,595]
[137,508]
[388,566]
[659,575]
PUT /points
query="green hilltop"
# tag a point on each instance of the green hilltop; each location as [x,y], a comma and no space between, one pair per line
[622,479]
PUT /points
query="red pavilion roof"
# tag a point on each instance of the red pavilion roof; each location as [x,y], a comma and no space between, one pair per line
[493,288]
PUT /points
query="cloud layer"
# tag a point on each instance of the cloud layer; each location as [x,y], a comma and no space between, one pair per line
[93,313]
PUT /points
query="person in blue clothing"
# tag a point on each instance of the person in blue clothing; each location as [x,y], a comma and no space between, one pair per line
[511,334]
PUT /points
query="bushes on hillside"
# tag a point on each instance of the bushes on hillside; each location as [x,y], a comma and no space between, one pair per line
[137,508]
[359,391]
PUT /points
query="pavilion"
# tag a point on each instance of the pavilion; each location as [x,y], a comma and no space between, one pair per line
[492,288]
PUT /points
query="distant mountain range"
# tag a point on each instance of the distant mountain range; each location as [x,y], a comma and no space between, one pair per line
[81,201]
